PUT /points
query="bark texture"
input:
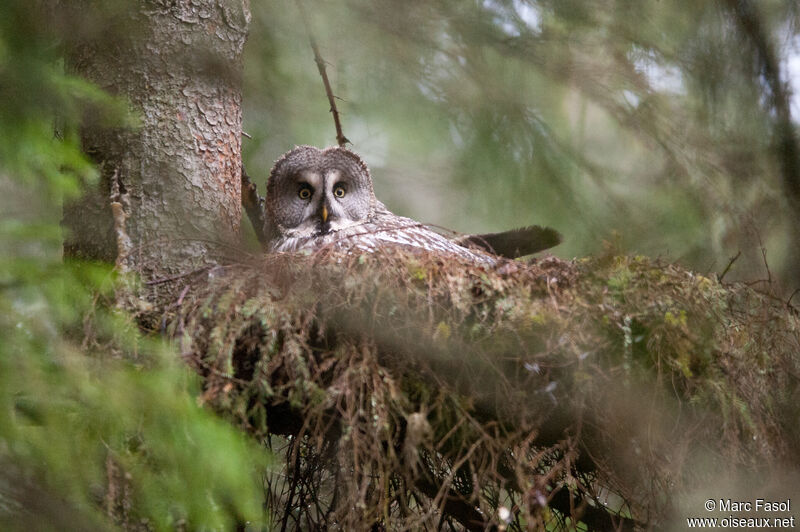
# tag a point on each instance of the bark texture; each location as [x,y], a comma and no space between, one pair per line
[179,65]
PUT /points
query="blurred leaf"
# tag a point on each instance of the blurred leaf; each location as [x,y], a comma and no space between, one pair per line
[79,385]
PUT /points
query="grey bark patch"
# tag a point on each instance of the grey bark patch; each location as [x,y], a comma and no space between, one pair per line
[180,69]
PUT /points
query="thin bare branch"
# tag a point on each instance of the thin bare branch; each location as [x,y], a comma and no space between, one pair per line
[728,267]
[340,138]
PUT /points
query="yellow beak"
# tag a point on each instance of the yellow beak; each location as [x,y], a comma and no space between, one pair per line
[324,213]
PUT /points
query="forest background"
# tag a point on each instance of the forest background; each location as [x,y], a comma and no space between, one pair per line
[664,129]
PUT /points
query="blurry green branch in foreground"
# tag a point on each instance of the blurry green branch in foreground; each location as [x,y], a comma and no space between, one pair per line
[97,423]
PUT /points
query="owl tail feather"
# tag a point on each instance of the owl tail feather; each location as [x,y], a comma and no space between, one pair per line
[514,243]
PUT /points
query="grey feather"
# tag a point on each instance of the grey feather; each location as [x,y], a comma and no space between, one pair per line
[514,243]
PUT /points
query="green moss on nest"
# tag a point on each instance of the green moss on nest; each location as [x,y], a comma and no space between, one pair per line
[530,375]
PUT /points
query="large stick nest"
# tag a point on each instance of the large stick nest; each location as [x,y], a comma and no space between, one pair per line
[411,391]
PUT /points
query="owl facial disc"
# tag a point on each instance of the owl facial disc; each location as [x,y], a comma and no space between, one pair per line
[313,192]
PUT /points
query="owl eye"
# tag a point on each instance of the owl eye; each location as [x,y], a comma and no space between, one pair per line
[339,191]
[305,192]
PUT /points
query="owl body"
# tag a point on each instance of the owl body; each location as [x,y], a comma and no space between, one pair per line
[380,232]
[324,198]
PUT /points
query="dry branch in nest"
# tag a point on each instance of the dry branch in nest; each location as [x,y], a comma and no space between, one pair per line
[414,391]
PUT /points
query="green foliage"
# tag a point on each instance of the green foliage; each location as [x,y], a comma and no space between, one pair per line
[645,118]
[94,418]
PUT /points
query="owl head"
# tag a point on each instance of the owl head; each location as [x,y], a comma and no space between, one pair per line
[312,192]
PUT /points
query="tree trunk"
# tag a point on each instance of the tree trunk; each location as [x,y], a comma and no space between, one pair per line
[179,65]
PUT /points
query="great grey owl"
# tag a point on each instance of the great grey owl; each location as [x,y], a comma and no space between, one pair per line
[318,198]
